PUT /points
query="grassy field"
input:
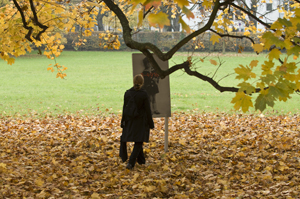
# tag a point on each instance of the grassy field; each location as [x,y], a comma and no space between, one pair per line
[96,82]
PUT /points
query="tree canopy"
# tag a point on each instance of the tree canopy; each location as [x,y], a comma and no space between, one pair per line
[43,24]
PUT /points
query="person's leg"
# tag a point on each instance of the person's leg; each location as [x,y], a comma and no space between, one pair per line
[151,103]
[141,157]
[155,105]
[138,146]
[123,151]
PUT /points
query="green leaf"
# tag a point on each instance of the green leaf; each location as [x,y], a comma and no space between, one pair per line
[291,67]
[271,39]
[266,67]
[276,92]
[268,79]
[245,86]
[285,22]
[294,50]
[244,73]
[263,100]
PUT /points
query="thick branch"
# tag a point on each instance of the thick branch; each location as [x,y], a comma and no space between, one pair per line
[207,26]
[29,28]
[215,84]
[36,21]
[233,36]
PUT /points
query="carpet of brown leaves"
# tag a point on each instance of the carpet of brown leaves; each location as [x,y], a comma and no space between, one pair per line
[210,156]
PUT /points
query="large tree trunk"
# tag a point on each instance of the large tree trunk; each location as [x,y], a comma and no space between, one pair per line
[100,20]
[254,9]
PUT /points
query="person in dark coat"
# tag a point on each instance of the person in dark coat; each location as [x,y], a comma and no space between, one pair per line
[151,78]
[136,129]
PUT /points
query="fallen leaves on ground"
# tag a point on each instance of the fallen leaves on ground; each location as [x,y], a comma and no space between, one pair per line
[210,156]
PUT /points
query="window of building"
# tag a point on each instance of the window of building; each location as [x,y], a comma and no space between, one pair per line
[269,6]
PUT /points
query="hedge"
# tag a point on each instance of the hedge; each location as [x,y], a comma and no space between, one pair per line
[165,41]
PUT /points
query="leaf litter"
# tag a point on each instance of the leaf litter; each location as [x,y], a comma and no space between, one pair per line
[210,156]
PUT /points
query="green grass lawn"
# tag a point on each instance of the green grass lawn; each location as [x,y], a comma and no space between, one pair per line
[96,82]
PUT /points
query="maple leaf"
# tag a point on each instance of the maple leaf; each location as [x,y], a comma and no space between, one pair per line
[184,25]
[263,100]
[274,54]
[149,3]
[253,63]
[241,100]
[189,14]
[160,19]
[11,61]
[244,73]
[258,48]
[182,3]
[245,86]
[266,67]
[215,38]
[207,4]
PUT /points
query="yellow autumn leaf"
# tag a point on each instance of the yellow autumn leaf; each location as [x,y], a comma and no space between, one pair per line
[253,63]
[215,38]
[274,54]
[160,19]
[207,4]
[182,3]
[241,100]
[39,182]
[258,48]
[2,165]
[95,196]
[150,188]
[140,18]
[92,3]
[247,33]
[11,61]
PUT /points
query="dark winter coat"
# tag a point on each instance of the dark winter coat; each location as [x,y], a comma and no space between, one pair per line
[137,129]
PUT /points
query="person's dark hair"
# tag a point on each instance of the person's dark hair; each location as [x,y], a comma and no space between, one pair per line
[146,61]
[138,82]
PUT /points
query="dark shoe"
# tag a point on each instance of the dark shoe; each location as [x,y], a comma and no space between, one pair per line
[140,163]
[129,166]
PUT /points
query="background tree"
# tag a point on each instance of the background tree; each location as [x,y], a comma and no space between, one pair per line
[43,23]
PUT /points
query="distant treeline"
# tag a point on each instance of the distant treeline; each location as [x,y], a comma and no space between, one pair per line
[165,40]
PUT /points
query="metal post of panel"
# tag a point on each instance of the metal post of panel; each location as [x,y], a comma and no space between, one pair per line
[166,133]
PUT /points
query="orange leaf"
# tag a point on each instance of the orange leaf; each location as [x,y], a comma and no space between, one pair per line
[149,3]
[184,26]
[213,62]
[189,14]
